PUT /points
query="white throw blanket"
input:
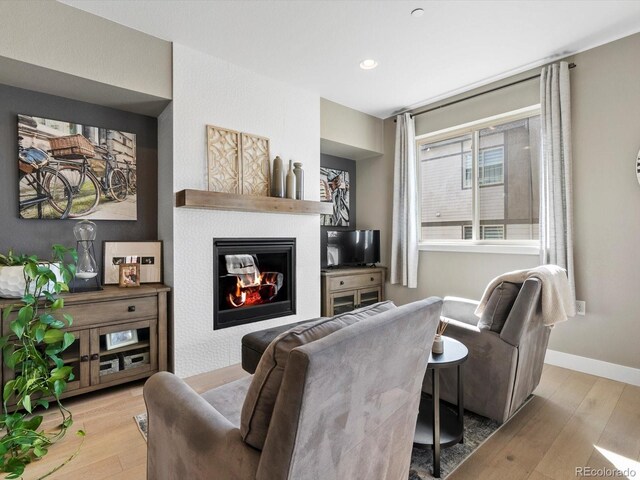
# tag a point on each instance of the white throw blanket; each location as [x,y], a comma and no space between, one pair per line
[555,295]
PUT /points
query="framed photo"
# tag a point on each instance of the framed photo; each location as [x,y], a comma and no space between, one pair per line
[147,254]
[121,339]
[129,275]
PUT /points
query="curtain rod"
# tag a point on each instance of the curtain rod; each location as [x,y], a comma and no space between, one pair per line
[571,65]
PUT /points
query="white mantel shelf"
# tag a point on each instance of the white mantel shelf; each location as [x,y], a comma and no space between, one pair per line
[249,203]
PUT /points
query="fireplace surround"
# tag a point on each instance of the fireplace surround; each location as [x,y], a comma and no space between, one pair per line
[253,280]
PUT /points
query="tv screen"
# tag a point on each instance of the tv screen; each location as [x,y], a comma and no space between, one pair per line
[350,247]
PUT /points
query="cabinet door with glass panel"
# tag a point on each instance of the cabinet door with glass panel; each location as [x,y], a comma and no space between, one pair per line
[75,356]
[369,296]
[123,351]
[341,302]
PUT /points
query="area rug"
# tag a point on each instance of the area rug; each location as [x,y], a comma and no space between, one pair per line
[476,430]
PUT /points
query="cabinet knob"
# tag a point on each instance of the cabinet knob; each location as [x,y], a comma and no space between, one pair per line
[95,356]
[372,279]
[84,358]
[132,308]
[341,282]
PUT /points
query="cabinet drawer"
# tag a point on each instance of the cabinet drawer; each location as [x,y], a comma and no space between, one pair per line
[355,281]
[112,311]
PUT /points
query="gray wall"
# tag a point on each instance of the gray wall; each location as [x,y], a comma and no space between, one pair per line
[605,115]
[330,161]
[348,133]
[37,236]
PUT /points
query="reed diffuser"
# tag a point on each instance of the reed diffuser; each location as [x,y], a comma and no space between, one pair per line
[438,343]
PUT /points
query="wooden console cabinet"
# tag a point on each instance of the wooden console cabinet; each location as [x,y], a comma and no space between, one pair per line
[97,314]
[345,289]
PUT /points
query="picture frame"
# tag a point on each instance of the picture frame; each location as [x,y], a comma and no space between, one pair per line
[121,339]
[61,150]
[129,275]
[335,189]
[147,254]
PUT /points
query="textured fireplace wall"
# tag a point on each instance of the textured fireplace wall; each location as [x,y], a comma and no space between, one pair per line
[210,91]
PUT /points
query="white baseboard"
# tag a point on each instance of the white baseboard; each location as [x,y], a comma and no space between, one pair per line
[612,371]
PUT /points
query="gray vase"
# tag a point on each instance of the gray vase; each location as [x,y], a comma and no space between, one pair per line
[291,182]
[299,173]
[277,180]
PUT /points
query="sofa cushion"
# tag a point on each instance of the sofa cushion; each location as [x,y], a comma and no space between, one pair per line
[498,307]
[263,391]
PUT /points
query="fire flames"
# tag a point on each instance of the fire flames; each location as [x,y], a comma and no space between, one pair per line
[253,289]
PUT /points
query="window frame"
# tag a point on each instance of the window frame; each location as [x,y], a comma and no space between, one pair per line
[526,247]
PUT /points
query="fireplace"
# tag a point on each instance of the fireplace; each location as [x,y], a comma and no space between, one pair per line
[254,279]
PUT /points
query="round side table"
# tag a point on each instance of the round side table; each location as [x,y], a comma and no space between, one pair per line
[438,426]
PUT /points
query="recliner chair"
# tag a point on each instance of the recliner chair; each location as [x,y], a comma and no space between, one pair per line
[503,368]
[346,409]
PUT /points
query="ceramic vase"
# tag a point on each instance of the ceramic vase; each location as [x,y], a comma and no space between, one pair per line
[12,282]
[277,180]
[299,173]
[291,182]
[438,345]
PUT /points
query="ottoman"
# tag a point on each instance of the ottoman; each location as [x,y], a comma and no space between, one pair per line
[254,344]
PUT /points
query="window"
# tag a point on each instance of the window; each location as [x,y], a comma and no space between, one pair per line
[490,167]
[480,181]
[487,232]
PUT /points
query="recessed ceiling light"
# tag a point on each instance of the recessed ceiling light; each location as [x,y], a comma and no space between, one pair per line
[368,64]
[417,12]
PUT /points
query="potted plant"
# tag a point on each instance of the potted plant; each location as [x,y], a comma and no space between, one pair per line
[33,350]
[12,278]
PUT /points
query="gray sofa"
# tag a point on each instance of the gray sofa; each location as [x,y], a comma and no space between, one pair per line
[346,407]
[503,368]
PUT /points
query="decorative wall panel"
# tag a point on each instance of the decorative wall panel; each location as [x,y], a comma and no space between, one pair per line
[223,155]
[255,167]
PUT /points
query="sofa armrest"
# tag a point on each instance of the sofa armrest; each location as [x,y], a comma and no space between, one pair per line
[188,438]
[460,309]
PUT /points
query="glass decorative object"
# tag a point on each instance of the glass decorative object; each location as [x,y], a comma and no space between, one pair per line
[87,267]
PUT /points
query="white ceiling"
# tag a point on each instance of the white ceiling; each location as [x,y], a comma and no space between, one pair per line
[317,45]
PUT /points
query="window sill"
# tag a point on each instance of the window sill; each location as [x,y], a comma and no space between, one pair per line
[512,249]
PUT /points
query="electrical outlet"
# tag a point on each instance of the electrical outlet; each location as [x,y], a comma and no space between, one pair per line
[581,307]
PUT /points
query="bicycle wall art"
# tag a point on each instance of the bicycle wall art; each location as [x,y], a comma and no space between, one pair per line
[334,188]
[68,170]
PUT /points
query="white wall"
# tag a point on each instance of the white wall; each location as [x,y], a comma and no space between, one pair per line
[211,91]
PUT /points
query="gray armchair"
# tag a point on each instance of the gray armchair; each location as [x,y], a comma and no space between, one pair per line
[346,408]
[503,368]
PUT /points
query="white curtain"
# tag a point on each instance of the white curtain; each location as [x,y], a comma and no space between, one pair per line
[404,240]
[556,187]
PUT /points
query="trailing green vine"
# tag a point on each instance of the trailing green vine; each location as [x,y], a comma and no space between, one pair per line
[33,350]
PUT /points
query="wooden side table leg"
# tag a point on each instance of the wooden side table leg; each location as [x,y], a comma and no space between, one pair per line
[436,422]
[460,401]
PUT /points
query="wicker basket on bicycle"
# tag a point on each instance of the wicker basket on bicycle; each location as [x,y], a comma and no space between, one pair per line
[32,159]
[71,147]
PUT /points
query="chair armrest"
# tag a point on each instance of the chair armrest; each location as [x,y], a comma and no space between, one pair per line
[461,309]
[525,307]
[188,438]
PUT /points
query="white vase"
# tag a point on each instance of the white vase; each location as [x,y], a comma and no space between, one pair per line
[438,345]
[12,283]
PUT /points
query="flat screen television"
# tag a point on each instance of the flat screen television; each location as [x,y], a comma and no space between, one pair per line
[341,248]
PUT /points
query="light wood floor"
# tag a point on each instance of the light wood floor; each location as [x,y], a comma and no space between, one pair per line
[574,420]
